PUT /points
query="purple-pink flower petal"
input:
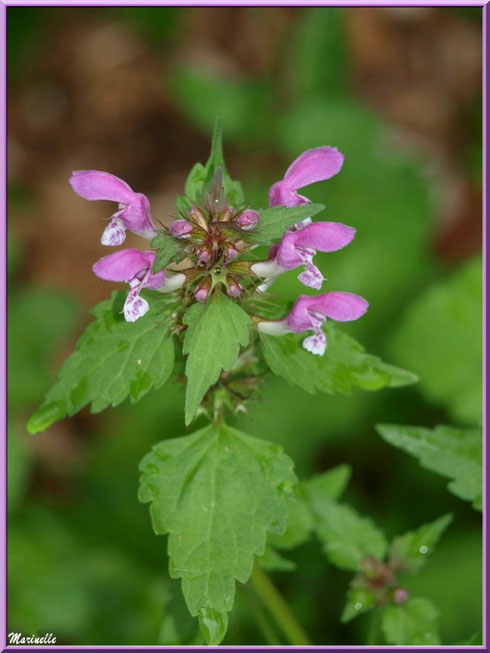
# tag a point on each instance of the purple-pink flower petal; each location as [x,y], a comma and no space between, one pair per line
[318,236]
[134,208]
[314,165]
[98,185]
[338,306]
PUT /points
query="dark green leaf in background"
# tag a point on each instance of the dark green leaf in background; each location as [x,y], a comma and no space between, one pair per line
[452,452]
[413,623]
[440,339]
[409,552]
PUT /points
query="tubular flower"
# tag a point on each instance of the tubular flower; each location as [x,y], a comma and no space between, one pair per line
[318,164]
[134,208]
[134,268]
[309,314]
[299,247]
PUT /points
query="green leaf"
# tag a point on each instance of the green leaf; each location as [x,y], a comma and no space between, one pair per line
[329,485]
[271,560]
[347,537]
[411,624]
[202,175]
[475,640]
[452,452]
[314,492]
[441,340]
[409,552]
[359,600]
[168,250]
[113,359]
[216,493]
[317,54]
[215,332]
[274,222]
[203,94]
[345,364]
[299,524]
[213,625]
[39,322]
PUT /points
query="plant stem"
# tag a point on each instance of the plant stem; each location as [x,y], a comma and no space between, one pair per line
[373,632]
[278,608]
[267,629]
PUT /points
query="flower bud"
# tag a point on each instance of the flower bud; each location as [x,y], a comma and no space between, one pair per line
[233,287]
[400,596]
[230,254]
[203,255]
[248,219]
[180,229]
[202,291]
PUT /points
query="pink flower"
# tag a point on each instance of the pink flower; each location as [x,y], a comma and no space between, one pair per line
[134,268]
[134,208]
[309,314]
[313,165]
[299,247]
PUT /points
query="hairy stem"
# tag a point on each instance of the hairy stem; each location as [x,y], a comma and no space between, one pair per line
[278,608]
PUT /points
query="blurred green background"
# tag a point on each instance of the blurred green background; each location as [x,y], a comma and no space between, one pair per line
[135,92]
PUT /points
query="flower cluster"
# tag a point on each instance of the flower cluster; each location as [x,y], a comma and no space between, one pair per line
[213,236]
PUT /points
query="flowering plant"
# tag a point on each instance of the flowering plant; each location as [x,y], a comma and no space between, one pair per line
[199,309]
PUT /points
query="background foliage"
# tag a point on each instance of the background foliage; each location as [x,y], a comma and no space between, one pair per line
[83,560]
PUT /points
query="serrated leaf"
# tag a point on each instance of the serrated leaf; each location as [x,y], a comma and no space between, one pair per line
[168,250]
[409,552]
[413,623]
[441,340]
[216,493]
[347,537]
[359,600]
[274,222]
[345,364]
[201,175]
[114,359]
[215,332]
[452,452]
